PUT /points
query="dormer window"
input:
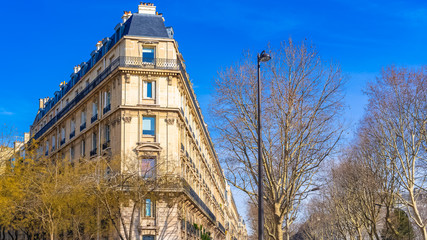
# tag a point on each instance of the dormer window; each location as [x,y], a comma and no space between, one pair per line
[148,55]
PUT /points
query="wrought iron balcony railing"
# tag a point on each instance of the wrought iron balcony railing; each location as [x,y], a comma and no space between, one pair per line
[93,152]
[221,227]
[107,108]
[82,126]
[106,145]
[198,200]
[94,118]
[155,63]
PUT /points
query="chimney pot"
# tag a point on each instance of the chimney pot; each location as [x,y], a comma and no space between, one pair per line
[98,45]
[147,8]
[126,15]
[41,104]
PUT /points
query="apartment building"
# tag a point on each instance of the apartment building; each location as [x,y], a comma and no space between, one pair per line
[133,99]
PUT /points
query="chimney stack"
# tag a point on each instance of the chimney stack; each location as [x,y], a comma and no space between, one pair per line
[98,45]
[41,103]
[76,69]
[126,16]
[147,8]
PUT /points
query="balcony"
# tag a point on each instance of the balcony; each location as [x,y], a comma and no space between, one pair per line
[62,141]
[82,126]
[107,108]
[72,134]
[93,152]
[106,145]
[221,227]
[94,118]
[189,190]
[155,63]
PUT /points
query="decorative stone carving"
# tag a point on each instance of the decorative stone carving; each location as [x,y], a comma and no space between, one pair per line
[170,79]
[127,119]
[115,121]
[127,78]
[170,121]
[147,148]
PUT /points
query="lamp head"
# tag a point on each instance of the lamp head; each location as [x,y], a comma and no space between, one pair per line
[264,57]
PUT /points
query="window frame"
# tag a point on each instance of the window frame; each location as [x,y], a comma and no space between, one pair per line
[148,60]
[152,132]
[152,170]
[145,89]
[94,141]
[83,148]
[152,208]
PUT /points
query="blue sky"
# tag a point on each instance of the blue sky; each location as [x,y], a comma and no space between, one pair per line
[42,40]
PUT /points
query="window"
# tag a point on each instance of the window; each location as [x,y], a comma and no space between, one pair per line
[53,142]
[148,167]
[94,112]
[62,135]
[149,126]
[93,141]
[47,147]
[72,125]
[149,89]
[148,237]
[107,101]
[107,133]
[107,98]
[82,148]
[148,55]
[72,153]
[148,208]
[94,108]
[83,117]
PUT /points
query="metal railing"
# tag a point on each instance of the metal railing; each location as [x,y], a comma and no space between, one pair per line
[189,190]
[93,152]
[94,118]
[83,126]
[221,227]
[155,63]
[106,145]
[107,108]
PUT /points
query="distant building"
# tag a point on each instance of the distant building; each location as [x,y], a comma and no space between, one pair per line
[133,99]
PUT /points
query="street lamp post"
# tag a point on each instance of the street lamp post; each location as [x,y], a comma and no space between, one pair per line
[263,57]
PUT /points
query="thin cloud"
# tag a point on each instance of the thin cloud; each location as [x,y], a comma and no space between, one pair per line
[4,112]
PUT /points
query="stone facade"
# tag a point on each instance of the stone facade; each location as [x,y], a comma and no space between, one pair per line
[141,107]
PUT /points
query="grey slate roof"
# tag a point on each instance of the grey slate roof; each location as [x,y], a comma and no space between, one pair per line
[146,25]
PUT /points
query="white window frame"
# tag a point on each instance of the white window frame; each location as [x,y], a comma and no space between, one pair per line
[83,117]
[145,89]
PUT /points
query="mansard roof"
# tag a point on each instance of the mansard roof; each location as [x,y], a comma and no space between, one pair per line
[146,25]
[139,24]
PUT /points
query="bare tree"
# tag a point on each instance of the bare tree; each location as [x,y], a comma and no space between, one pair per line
[302,102]
[398,116]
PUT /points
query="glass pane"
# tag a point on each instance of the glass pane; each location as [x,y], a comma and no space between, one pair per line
[148,207]
[148,168]
[148,126]
[149,90]
[147,237]
[148,55]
